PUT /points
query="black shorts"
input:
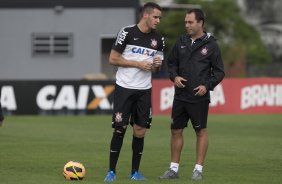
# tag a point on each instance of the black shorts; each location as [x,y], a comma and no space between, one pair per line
[182,112]
[132,105]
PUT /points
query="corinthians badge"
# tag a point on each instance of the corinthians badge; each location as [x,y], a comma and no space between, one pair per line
[118,117]
[154,43]
[204,51]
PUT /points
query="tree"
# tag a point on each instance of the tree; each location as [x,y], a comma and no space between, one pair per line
[239,42]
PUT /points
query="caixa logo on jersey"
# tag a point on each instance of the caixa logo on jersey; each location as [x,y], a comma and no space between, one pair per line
[143,51]
[83,97]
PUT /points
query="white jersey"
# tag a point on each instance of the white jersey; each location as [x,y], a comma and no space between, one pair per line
[137,46]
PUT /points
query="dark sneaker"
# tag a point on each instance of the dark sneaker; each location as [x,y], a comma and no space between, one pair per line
[197,175]
[111,176]
[136,176]
[169,174]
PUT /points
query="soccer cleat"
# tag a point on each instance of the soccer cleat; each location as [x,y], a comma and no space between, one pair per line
[136,176]
[169,174]
[111,176]
[197,175]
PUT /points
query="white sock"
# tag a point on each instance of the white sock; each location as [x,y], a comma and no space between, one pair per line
[198,167]
[174,166]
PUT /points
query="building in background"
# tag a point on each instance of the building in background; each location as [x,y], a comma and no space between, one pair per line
[266,16]
[60,39]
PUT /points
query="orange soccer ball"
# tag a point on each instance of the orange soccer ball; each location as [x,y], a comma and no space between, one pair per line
[74,171]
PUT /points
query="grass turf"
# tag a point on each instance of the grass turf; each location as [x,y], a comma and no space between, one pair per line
[243,149]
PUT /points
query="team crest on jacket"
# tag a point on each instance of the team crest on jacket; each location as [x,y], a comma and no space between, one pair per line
[118,117]
[204,51]
[154,43]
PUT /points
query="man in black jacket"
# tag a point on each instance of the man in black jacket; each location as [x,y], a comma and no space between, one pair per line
[196,67]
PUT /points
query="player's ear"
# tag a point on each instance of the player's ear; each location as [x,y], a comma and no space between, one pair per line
[201,22]
[145,15]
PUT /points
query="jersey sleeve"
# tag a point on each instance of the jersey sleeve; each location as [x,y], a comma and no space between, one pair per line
[160,51]
[121,40]
[162,45]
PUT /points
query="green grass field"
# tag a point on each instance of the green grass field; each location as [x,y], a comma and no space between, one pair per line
[243,149]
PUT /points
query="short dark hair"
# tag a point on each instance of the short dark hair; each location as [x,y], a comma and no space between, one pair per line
[148,7]
[199,14]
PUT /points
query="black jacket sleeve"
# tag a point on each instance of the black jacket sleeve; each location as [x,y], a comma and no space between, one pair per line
[217,72]
[172,62]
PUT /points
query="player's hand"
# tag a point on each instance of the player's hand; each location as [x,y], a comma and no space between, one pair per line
[157,62]
[200,90]
[145,65]
[178,81]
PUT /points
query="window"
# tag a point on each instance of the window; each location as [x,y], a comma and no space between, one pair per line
[52,44]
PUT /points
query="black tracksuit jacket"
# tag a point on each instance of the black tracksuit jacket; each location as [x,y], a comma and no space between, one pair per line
[199,63]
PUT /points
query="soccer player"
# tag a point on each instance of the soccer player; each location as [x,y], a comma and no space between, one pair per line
[195,67]
[137,51]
